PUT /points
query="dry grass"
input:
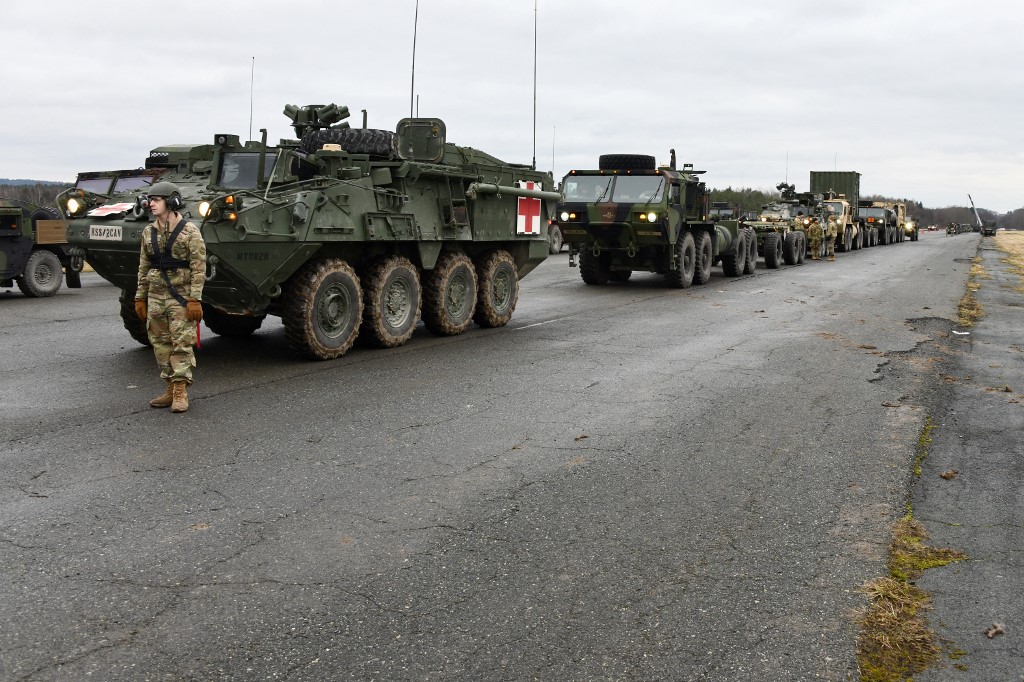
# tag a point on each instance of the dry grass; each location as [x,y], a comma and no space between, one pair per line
[969,310]
[1012,244]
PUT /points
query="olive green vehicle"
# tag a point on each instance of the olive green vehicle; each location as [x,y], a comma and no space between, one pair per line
[343,232]
[781,227]
[630,216]
[33,250]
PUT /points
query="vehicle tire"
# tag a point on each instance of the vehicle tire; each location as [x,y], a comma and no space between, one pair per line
[883,236]
[231,326]
[681,276]
[449,295]
[625,162]
[554,239]
[323,308]
[352,140]
[790,247]
[391,302]
[594,269]
[136,327]
[42,275]
[732,264]
[772,251]
[497,289]
[705,257]
[751,262]
[620,275]
[801,248]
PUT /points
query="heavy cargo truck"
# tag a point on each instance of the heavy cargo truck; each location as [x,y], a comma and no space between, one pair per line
[882,217]
[341,232]
[841,190]
[631,215]
[34,251]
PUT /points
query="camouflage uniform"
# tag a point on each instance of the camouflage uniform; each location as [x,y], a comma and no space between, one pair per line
[831,232]
[815,233]
[171,334]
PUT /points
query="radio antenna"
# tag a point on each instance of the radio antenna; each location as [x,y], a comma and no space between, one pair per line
[534,166]
[252,79]
[412,87]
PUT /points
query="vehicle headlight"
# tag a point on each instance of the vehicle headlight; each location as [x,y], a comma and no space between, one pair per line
[74,206]
[564,216]
[652,217]
[204,208]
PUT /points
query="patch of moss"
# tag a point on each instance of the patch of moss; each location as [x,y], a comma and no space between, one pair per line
[909,556]
[923,441]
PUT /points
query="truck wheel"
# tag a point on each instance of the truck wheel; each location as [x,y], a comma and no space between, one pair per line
[323,306]
[231,326]
[705,257]
[42,275]
[751,262]
[790,247]
[732,264]
[497,289]
[391,302]
[801,248]
[772,250]
[136,327]
[449,295]
[681,276]
[625,162]
[620,275]
[594,269]
[554,239]
[352,140]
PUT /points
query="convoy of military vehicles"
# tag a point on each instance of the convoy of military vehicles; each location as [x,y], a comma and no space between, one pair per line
[349,233]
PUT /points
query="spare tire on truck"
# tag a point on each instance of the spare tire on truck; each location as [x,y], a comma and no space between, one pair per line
[625,162]
[383,143]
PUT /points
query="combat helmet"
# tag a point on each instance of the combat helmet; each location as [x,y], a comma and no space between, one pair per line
[163,189]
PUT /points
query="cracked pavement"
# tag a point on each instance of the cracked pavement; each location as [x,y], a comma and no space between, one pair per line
[627,482]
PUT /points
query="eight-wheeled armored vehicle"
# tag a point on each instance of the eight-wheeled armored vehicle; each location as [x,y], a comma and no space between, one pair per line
[342,232]
[34,251]
[630,215]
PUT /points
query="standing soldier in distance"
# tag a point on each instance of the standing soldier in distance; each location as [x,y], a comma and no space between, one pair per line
[814,237]
[172,271]
[831,232]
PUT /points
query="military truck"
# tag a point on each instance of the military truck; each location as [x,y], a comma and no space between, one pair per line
[631,215]
[781,227]
[842,196]
[342,232]
[881,217]
[33,250]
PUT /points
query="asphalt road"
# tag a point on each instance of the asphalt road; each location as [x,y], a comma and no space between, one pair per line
[626,483]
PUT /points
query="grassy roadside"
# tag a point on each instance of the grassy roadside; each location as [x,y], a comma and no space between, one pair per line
[1012,244]
[969,310]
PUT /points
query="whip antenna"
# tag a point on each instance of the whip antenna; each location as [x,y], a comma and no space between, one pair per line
[412,87]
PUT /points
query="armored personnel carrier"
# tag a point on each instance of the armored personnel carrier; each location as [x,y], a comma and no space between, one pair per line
[342,232]
[781,227]
[629,215]
[33,250]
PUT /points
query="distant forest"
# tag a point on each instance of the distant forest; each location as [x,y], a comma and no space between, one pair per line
[748,199]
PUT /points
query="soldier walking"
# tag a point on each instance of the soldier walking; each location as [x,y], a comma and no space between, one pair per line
[172,271]
[814,236]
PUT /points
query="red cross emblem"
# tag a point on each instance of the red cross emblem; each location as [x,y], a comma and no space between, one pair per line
[110,209]
[528,213]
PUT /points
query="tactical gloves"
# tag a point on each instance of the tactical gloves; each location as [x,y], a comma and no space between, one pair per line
[193,310]
[140,308]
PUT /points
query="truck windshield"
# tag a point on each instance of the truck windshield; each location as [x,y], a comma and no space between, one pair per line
[872,212]
[95,185]
[638,188]
[836,207]
[132,183]
[588,188]
[238,169]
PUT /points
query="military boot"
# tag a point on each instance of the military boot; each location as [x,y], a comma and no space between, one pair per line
[180,395]
[164,399]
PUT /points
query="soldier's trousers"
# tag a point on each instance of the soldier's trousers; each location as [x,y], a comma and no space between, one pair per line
[814,242]
[172,336]
[830,245]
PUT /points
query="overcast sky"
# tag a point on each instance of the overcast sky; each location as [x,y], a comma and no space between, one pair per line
[922,97]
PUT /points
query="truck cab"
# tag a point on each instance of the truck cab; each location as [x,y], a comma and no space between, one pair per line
[33,250]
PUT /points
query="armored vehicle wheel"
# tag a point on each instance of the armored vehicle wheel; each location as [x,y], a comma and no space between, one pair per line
[554,239]
[681,276]
[352,140]
[790,247]
[594,269]
[705,257]
[42,275]
[751,263]
[231,326]
[620,275]
[391,302]
[772,250]
[801,249]
[322,309]
[449,295]
[625,162]
[135,326]
[732,264]
[497,289]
